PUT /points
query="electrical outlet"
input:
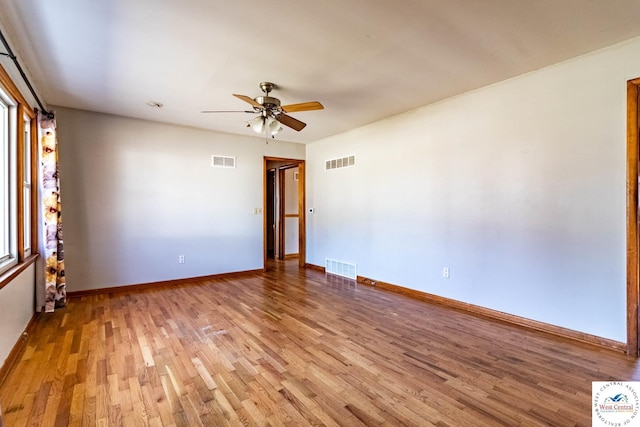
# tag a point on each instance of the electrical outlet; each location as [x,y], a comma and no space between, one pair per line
[445,272]
[257,211]
[181,259]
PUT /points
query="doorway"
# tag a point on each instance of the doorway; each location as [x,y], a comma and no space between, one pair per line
[270,213]
[632,217]
[284,202]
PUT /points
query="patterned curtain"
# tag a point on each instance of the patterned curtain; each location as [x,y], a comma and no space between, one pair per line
[52,251]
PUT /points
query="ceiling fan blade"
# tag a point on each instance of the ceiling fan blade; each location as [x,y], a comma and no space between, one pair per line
[251,101]
[289,121]
[303,106]
[226,111]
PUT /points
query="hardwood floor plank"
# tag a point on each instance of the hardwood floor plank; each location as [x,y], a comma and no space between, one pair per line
[40,402]
[294,347]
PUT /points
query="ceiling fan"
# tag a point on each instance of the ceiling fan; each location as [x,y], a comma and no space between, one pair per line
[271,115]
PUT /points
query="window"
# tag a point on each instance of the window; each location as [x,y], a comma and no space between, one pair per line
[4,183]
[8,255]
[26,188]
[17,195]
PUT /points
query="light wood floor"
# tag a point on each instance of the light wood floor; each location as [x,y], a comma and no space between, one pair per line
[294,347]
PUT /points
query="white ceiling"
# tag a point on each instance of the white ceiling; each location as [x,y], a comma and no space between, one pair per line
[363,59]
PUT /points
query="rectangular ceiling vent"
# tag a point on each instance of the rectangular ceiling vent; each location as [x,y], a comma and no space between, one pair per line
[222,161]
[342,162]
[340,268]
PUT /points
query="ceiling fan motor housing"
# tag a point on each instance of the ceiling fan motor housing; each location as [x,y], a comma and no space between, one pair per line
[268,102]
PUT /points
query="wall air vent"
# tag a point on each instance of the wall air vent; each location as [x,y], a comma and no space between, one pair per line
[342,162]
[222,161]
[340,268]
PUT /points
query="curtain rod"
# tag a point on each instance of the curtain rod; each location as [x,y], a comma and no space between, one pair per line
[10,54]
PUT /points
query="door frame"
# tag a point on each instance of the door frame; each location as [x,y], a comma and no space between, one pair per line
[302,237]
[282,214]
[632,216]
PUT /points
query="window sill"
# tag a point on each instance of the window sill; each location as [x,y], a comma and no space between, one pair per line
[13,272]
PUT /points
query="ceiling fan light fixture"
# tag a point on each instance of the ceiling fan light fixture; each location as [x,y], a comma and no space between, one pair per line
[262,125]
[257,124]
[273,126]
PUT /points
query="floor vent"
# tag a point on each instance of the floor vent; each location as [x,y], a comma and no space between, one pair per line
[223,161]
[342,162]
[340,268]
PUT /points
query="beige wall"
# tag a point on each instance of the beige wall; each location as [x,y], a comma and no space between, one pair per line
[518,188]
[138,194]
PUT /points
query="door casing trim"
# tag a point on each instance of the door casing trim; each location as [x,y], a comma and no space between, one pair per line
[302,227]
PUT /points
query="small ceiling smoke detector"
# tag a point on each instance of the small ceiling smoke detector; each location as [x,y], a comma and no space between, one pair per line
[154,104]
